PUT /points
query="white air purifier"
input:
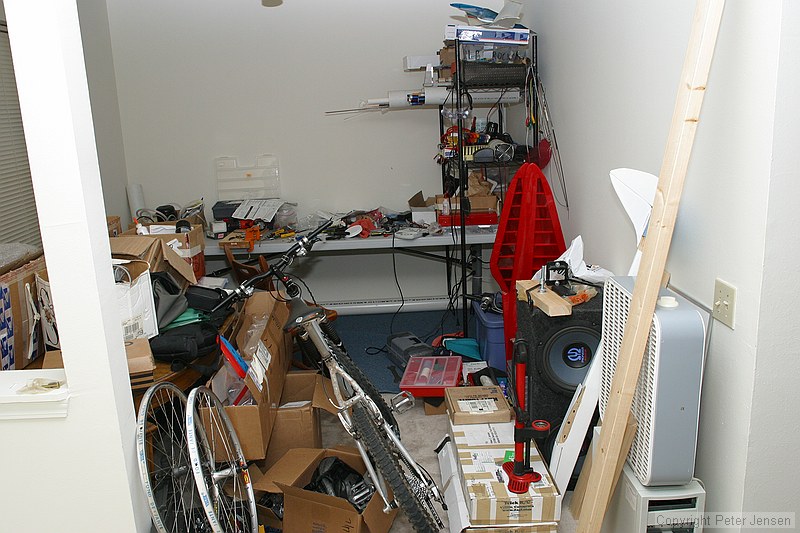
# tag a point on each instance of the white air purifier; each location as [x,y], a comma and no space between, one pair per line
[666,403]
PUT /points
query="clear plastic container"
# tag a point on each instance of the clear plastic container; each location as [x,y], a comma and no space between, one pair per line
[286,216]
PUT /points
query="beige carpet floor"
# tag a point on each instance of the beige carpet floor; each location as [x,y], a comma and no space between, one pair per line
[420,435]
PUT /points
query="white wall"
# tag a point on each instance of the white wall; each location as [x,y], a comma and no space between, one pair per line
[202,79]
[79,471]
[105,109]
[611,72]
[771,481]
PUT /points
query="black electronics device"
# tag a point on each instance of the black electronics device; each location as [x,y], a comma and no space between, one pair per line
[403,346]
[224,209]
[563,347]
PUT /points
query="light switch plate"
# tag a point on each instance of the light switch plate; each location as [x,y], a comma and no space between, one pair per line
[724,302]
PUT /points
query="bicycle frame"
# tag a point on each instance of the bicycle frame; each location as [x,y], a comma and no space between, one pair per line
[349,397]
[357,395]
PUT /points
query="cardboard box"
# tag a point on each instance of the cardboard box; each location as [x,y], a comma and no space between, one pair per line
[297,423]
[189,245]
[266,375]
[477,405]
[20,329]
[457,511]
[481,450]
[305,510]
[423,210]
[140,363]
[114,226]
[156,253]
[477,203]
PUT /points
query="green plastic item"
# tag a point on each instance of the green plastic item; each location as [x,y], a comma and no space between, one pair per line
[464,347]
[190,316]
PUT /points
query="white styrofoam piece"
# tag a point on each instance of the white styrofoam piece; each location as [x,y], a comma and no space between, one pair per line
[16,406]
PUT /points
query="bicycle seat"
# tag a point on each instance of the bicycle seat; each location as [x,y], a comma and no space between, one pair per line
[301,312]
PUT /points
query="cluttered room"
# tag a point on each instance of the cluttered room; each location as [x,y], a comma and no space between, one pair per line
[418,267]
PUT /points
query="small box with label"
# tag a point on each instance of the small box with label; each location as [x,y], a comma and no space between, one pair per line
[477,405]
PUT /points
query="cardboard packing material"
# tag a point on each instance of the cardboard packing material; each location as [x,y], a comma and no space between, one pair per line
[297,423]
[305,510]
[423,210]
[481,450]
[20,328]
[159,256]
[114,226]
[477,202]
[457,510]
[477,405]
[265,378]
[188,245]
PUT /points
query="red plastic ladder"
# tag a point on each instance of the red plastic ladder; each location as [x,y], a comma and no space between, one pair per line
[528,236]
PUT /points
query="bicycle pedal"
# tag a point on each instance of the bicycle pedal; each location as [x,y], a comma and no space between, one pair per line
[402,402]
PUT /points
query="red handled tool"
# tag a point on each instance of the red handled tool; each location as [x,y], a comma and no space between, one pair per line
[519,471]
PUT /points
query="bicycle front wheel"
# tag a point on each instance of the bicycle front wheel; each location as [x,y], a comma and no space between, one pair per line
[410,492]
[218,465]
[164,464]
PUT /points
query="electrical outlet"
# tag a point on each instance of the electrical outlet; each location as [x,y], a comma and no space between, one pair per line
[724,302]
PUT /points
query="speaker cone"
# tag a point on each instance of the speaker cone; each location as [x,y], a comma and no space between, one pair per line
[566,356]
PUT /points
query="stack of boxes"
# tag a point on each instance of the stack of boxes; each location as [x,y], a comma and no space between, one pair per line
[480,439]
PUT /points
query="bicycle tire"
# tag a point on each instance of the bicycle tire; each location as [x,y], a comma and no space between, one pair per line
[225,492]
[366,385]
[380,448]
[164,463]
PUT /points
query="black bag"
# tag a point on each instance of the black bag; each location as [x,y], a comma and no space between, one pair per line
[182,345]
[204,298]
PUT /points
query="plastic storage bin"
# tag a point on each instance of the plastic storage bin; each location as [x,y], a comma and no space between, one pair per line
[428,376]
[489,334]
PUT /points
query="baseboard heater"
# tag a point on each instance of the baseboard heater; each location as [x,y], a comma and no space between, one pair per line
[388,305]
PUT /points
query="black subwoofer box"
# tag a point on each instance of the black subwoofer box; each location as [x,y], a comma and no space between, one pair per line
[562,349]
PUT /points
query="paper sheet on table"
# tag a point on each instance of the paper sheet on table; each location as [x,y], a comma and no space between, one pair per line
[574,258]
[258,209]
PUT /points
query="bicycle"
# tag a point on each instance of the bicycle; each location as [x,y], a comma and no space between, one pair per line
[363,412]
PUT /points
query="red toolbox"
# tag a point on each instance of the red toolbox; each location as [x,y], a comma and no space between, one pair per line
[428,376]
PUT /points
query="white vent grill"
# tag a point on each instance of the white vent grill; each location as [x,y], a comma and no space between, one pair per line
[616,306]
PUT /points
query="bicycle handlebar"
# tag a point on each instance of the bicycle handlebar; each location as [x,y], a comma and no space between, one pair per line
[300,247]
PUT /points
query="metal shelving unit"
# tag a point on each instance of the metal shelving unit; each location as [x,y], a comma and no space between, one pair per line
[486,59]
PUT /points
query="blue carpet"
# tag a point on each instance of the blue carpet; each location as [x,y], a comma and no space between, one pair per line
[365,339]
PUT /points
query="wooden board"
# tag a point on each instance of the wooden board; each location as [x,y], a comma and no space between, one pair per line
[549,302]
[685,119]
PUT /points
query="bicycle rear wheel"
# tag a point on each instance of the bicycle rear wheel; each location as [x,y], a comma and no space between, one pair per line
[218,465]
[409,489]
[164,464]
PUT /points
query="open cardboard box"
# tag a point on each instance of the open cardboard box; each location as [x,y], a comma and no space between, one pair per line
[305,510]
[266,374]
[297,424]
[156,253]
[423,210]
[188,245]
